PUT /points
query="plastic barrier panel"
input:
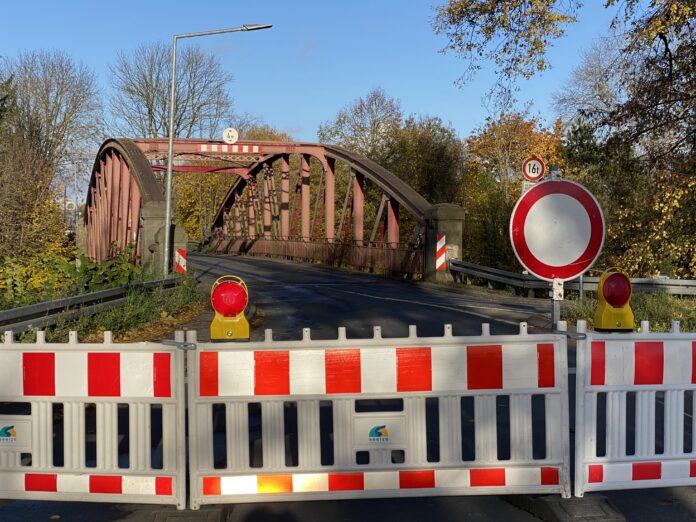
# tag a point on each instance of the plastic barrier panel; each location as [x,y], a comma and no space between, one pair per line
[92,422]
[355,418]
[634,410]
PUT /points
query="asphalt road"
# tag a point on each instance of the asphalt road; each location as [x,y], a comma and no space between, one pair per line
[292,296]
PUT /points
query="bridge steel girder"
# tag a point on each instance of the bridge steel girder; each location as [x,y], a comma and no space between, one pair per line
[121,184]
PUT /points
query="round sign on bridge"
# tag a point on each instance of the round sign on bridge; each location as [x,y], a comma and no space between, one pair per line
[557,230]
[533,169]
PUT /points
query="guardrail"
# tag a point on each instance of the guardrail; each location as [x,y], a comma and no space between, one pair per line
[529,282]
[48,313]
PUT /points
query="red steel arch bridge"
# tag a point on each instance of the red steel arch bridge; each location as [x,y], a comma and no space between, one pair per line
[304,201]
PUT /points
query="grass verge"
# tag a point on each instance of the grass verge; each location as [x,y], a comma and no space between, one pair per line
[659,309]
[144,316]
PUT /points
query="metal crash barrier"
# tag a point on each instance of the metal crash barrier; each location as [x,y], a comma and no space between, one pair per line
[635,407]
[92,422]
[355,418]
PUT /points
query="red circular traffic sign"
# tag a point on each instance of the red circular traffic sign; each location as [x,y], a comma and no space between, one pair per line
[557,230]
[533,169]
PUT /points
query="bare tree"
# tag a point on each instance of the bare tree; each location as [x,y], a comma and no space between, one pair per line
[51,112]
[57,104]
[139,104]
[368,125]
[595,86]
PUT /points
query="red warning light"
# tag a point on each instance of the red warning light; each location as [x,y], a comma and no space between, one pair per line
[617,289]
[229,298]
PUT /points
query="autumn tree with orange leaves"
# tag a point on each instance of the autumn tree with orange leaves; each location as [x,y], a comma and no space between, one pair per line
[493,180]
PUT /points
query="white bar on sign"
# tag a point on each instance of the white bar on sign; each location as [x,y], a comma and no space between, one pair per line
[11,384]
[618,472]
[522,477]
[244,485]
[73,483]
[677,357]
[619,365]
[382,480]
[452,478]
[235,373]
[12,481]
[378,370]
[310,482]
[307,373]
[137,375]
[520,368]
[71,374]
[449,368]
[138,485]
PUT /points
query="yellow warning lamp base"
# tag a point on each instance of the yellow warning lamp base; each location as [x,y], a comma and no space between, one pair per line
[233,327]
[608,318]
[229,328]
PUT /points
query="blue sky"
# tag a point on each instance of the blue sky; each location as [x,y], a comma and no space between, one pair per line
[318,57]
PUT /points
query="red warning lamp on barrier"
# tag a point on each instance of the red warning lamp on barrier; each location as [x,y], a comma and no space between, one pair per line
[614,312]
[229,298]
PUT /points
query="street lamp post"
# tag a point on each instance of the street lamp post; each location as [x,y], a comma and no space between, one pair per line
[172,86]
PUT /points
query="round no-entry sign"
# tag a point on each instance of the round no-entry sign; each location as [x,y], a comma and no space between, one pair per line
[557,230]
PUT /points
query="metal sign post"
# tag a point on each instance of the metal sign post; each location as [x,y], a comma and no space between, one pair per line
[556,298]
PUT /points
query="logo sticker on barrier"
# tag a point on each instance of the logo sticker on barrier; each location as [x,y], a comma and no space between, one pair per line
[15,433]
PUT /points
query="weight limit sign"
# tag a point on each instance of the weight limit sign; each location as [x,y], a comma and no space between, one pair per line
[557,230]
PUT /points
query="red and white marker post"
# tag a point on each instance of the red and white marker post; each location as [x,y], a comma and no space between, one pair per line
[557,233]
[180,261]
[441,252]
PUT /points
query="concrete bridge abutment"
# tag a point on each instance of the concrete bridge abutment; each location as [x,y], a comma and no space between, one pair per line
[446,219]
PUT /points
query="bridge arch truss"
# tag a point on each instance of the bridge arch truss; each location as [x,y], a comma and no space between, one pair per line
[309,201]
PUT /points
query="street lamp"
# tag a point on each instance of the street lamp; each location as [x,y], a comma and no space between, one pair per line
[168,186]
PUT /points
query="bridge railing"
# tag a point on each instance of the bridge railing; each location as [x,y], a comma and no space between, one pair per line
[461,270]
[374,258]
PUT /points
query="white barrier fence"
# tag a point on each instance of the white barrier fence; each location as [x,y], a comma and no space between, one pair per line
[355,418]
[635,410]
[92,422]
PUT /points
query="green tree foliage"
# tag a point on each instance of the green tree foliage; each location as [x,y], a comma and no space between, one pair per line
[650,215]
[657,59]
[514,34]
[429,156]
[492,181]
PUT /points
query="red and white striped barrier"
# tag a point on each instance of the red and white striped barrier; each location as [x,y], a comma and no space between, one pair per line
[425,480]
[230,149]
[441,252]
[180,261]
[631,377]
[109,383]
[383,442]
[298,372]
